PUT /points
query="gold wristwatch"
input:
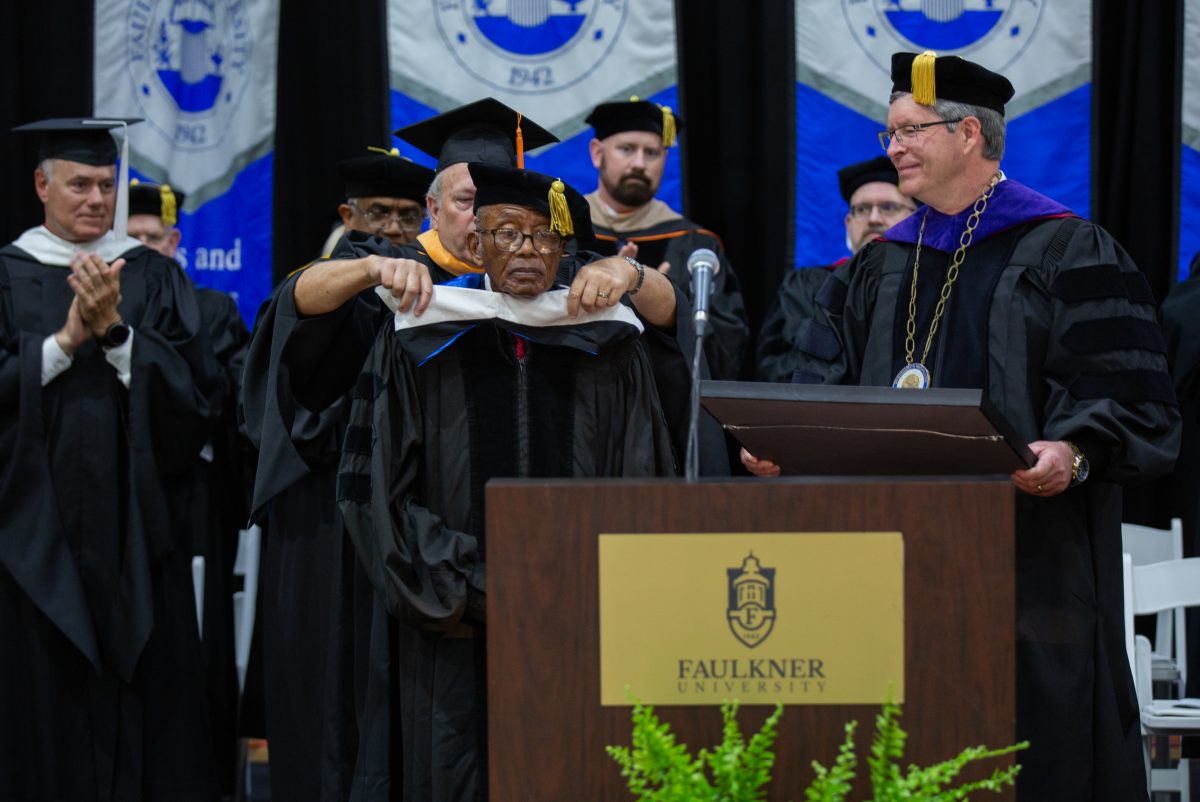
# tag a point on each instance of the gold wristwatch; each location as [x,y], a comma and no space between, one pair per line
[1080,467]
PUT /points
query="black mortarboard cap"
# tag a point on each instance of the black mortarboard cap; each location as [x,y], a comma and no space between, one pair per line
[635,115]
[853,176]
[385,174]
[483,131]
[76,139]
[929,76]
[568,211]
[160,200]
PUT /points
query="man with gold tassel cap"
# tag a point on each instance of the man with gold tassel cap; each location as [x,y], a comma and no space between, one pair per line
[1052,320]
[630,152]
[153,215]
[874,204]
[498,378]
[107,385]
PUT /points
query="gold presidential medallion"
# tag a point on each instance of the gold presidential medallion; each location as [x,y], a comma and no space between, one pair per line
[912,377]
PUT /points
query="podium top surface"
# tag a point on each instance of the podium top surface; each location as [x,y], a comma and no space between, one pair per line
[848,430]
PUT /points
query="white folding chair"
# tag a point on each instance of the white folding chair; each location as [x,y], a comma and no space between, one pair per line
[1146,545]
[245,565]
[1151,589]
[198,592]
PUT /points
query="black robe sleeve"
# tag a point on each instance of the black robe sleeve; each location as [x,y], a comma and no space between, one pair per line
[425,572]
[776,357]
[40,561]
[296,369]
[1107,387]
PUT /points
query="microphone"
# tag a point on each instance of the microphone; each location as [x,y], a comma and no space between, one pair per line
[703,265]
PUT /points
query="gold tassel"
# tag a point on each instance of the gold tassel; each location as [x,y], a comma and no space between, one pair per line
[668,134]
[385,152]
[924,87]
[520,144]
[170,215]
[560,213]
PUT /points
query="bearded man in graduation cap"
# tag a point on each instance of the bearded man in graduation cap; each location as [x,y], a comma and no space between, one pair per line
[629,152]
[496,379]
[108,382]
[1053,321]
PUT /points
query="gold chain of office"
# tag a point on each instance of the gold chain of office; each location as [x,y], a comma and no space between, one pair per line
[964,242]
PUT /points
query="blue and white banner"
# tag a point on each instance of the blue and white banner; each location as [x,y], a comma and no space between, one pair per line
[1189,154]
[843,80]
[551,60]
[201,74]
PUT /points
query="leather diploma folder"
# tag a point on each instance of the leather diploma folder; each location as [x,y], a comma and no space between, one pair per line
[813,429]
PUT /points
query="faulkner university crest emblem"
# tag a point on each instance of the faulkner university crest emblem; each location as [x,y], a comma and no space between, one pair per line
[751,610]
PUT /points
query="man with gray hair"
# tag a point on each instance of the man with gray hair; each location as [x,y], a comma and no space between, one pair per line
[107,385]
[1054,322]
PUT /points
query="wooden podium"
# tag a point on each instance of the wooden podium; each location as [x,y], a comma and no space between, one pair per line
[546,727]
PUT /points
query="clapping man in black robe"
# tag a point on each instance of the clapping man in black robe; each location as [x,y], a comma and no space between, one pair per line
[106,382]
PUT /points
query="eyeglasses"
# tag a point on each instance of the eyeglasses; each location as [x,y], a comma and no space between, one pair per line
[512,240]
[381,216]
[887,209]
[904,133]
[152,239]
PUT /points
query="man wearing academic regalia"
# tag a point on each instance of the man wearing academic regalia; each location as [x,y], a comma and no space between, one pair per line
[875,202]
[1051,319]
[217,489]
[107,386]
[498,378]
[384,197]
[630,152]
[305,357]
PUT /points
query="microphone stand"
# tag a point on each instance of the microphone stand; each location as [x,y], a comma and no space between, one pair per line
[691,465]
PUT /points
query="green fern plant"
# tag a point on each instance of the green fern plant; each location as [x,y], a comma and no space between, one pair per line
[659,769]
[890,784]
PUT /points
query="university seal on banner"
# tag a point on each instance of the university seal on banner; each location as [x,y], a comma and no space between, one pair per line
[189,63]
[992,32]
[530,46]
[751,611]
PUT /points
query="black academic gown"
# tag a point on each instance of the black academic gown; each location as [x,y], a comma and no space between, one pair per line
[102,693]
[315,601]
[728,341]
[672,356]
[1053,320]
[777,353]
[424,438]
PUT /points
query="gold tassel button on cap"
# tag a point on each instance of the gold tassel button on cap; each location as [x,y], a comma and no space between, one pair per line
[924,86]
[170,214]
[560,213]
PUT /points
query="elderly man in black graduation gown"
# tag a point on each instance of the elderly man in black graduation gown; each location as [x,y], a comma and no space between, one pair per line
[307,352]
[105,382]
[1054,322]
[503,375]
